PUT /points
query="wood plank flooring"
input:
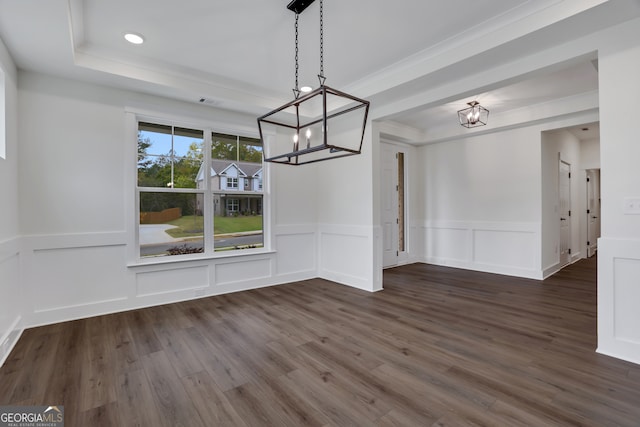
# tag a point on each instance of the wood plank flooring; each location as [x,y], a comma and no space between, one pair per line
[437,347]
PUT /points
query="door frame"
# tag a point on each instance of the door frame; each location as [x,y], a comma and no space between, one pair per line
[402,257]
[564,220]
[592,212]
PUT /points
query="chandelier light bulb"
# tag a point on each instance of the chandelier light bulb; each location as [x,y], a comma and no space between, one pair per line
[308,134]
[295,141]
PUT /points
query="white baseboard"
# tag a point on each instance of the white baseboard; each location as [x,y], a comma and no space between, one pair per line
[10,339]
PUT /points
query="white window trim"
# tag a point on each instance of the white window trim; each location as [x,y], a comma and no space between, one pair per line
[132,203]
[232,187]
[3,113]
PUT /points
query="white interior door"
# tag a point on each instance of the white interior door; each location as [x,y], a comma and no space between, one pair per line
[564,203]
[388,186]
[593,211]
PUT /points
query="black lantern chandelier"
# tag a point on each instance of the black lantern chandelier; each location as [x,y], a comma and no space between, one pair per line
[473,116]
[320,125]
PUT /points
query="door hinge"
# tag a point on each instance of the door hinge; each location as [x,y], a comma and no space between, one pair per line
[569,251]
[588,211]
[396,155]
[397,188]
[569,175]
[588,179]
[397,253]
[588,243]
[397,221]
[569,213]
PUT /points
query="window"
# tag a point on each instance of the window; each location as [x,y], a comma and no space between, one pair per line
[170,205]
[246,184]
[183,204]
[232,183]
[240,217]
[233,205]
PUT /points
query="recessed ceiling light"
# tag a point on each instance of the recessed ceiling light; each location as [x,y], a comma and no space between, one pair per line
[134,38]
[306,89]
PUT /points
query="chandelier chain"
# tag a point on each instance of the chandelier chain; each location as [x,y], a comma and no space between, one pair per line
[321,38]
[296,55]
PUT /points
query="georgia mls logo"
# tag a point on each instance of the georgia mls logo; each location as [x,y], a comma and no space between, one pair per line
[31,416]
[53,408]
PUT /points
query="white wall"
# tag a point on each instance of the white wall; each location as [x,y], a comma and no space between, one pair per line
[481,202]
[619,247]
[590,154]
[77,177]
[346,251]
[10,256]
[293,192]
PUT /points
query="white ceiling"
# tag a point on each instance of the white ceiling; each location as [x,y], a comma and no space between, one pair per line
[239,54]
[570,80]
[586,131]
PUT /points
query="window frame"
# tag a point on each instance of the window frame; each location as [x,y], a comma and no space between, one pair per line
[132,117]
[231,201]
[3,113]
[233,181]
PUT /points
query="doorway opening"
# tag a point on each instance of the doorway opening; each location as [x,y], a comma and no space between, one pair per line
[394,212]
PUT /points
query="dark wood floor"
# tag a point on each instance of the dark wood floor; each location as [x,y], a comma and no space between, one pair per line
[437,347]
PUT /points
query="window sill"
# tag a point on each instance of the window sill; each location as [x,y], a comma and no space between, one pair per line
[172,259]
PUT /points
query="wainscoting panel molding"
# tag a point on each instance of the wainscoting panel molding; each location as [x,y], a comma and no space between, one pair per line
[296,248]
[171,280]
[231,272]
[71,276]
[346,255]
[493,247]
[618,296]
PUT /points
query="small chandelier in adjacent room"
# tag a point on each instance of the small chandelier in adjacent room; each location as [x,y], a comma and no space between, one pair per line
[320,125]
[473,116]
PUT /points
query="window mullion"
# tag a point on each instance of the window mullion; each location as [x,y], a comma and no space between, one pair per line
[208,196]
[172,157]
